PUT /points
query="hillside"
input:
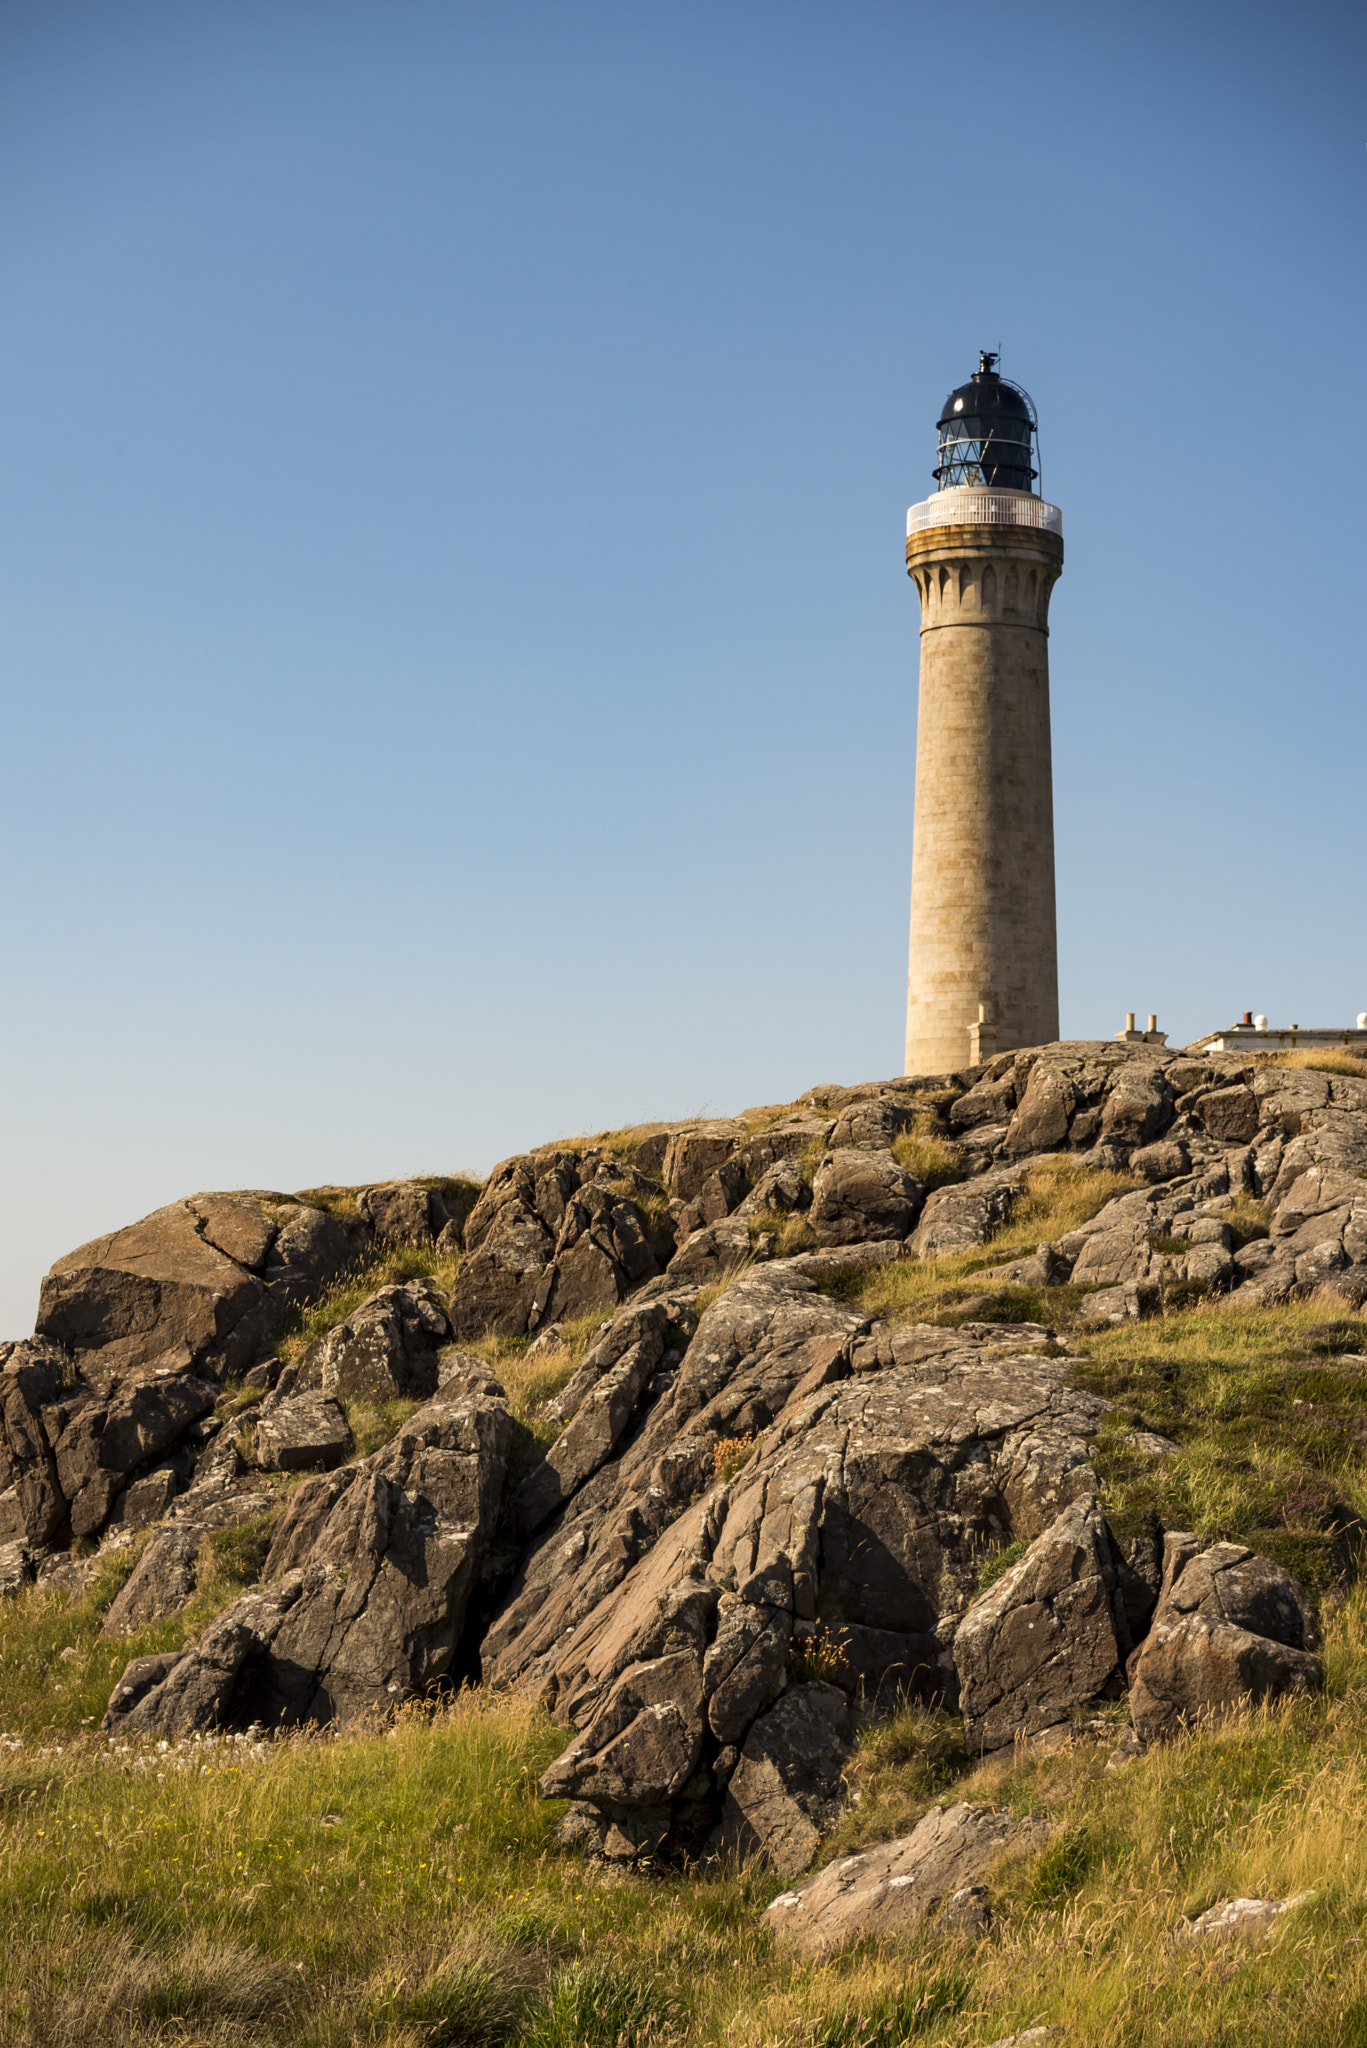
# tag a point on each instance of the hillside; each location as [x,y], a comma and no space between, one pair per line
[455,1613]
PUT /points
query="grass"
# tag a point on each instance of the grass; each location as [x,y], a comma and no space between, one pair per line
[1271,1417]
[384,1266]
[927,1154]
[1059,1195]
[56,1675]
[400,1885]
[1323,1061]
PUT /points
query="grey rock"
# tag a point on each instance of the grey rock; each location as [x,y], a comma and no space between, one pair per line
[1230,1628]
[373,1614]
[386,1349]
[1167,1160]
[1125,1304]
[712,1254]
[719,1194]
[34,1376]
[959,1218]
[404,1212]
[497,1283]
[696,1153]
[1229,1115]
[778,1192]
[139,1678]
[643,1746]
[746,1667]
[875,1126]
[15,1569]
[161,1582]
[1048,1638]
[987,1102]
[302,1434]
[601,1254]
[886,1890]
[601,1413]
[1046,1109]
[1241,1919]
[861,1196]
[784,1794]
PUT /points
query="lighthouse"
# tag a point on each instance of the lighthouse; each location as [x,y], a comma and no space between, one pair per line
[984,551]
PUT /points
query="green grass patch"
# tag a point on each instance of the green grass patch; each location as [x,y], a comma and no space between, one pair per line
[385,1266]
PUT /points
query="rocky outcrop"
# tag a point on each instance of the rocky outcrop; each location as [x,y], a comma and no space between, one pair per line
[886,1890]
[372,1613]
[554,1235]
[764,1511]
[798,1457]
[212,1274]
[861,1197]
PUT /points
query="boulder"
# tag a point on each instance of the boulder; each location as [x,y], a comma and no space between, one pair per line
[695,1154]
[1139,1105]
[712,1255]
[602,1409]
[1041,1122]
[643,1746]
[34,1377]
[600,1255]
[1240,1919]
[1230,1628]
[1049,1637]
[161,1583]
[212,1274]
[875,1126]
[1229,1115]
[746,1667]
[987,1102]
[784,1794]
[959,1218]
[404,1212]
[373,1614]
[719,1194]
[860,1197]
[884,1891]
[302,1434]
[779,1191]
[496,1285]
[386,1349]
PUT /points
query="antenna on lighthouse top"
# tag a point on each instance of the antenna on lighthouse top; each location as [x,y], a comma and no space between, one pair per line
[988,359]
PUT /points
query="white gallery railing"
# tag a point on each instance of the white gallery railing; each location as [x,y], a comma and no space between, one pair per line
[965,506]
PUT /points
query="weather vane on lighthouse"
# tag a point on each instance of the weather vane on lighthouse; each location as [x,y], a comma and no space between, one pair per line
[984,552]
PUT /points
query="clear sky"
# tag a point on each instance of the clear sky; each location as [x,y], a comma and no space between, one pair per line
[459,671]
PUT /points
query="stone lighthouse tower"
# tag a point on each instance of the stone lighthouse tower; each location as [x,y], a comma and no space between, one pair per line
[984,552]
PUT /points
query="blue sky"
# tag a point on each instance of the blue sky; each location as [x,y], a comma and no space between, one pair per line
[458,666]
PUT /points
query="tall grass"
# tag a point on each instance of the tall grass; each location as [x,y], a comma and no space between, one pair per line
[401,1884]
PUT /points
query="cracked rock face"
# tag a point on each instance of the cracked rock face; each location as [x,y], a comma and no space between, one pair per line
[370,1613]
[884,1461]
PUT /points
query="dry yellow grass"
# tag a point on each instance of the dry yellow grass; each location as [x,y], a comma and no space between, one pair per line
[1324,1060]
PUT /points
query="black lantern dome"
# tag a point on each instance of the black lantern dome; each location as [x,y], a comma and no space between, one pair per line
[987,433]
